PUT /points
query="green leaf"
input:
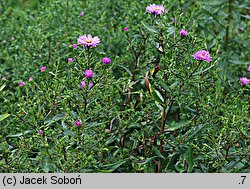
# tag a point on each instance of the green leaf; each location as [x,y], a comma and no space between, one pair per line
[111,139]
[148,160]
[55,119]
[2,87]
[46,167]
[202,71]
[245,16]
[126,69]
[171,30]
[178,125]
[239,62]
[20,134]
[180,167]
[157,96]
[150,28]
[103,171]
[113,166]
[158,153]
[192,132]
[4,116]
[188,156]
[213,3]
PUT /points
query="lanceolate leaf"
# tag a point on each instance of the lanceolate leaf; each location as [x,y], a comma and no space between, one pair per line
[158,153]
[111,167]
[150,28]
[178,125]
[2,87]
[188,156]
[126,69]
[154,93]
[20,134]
[4,116]
[55,119]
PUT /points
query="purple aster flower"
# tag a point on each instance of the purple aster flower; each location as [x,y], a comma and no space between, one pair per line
[91,85]
[82,84]
[106,60]
[89,73]
[244,81]
[88,40]
[202,55]
[73,45]
[70,60]
[248,69]
[78,123]
[183,33]
[126,29]
[43,68]
[21,83]
[41,132]
[155,9]
[4,78]
[82,13]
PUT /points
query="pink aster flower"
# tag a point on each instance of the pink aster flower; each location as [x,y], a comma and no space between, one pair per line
[43,68]
[126,29]
[70,60]
[248,69]
[82,84]
[89,73]
[155,9]
[82,13]
[183,33]
[4,41]
[21,83]
[4,78]
[78,123]
[41,132]
[30,79]
[73,45]
[12,38]
[107,130]
[202,55]
[106,60]
[244,81]
[88,41]
[91,85]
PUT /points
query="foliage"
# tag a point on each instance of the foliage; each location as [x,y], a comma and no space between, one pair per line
[154,108]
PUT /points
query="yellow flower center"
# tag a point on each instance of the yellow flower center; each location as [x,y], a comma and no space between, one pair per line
[203,55]
[88,40]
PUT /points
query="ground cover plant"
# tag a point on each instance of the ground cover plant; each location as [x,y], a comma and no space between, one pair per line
[124,86]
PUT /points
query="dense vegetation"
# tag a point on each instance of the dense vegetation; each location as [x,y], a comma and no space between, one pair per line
[139,100]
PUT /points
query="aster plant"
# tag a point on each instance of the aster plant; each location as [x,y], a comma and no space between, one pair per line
[174,81]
